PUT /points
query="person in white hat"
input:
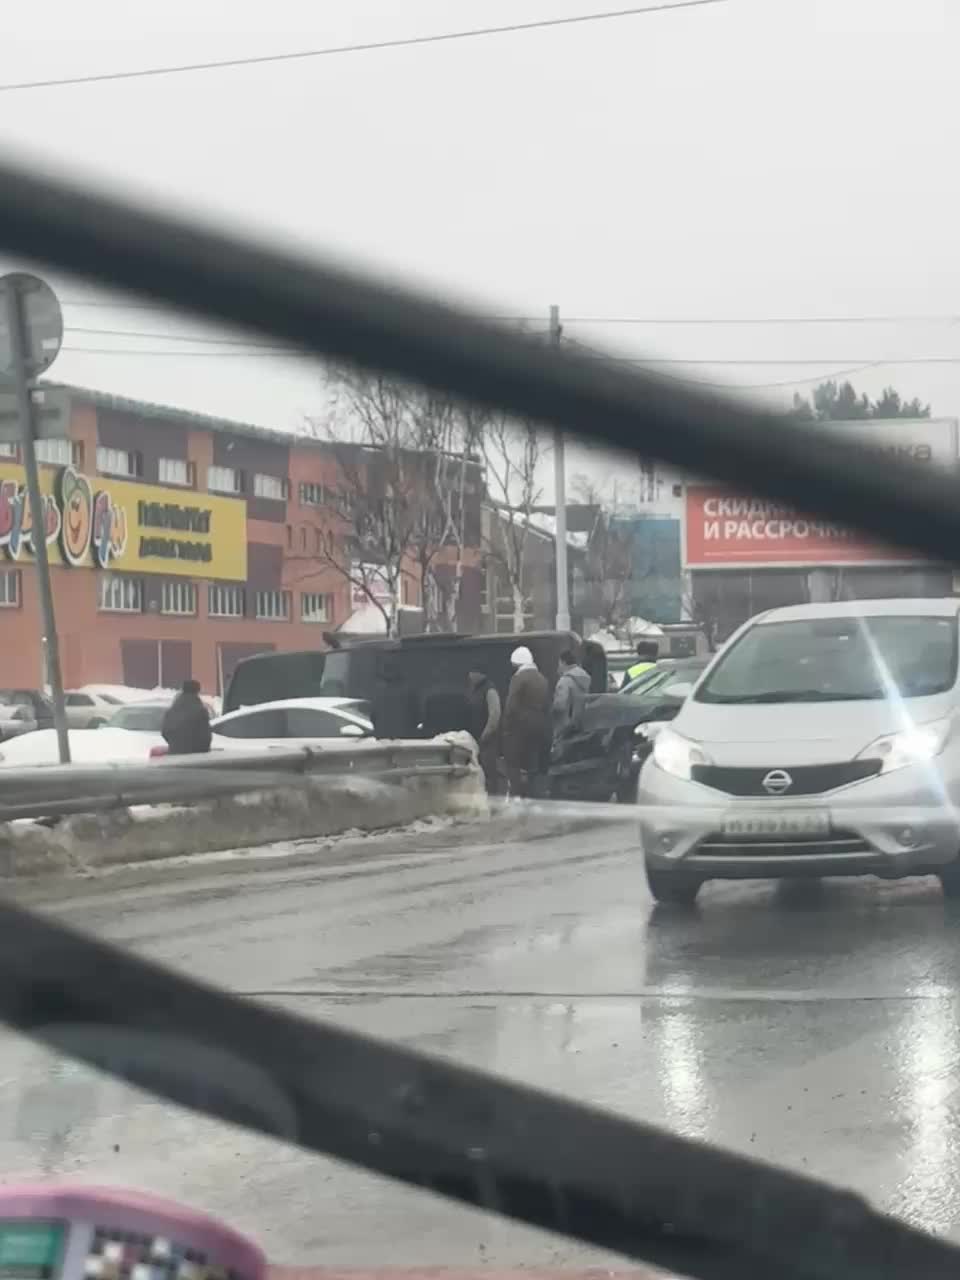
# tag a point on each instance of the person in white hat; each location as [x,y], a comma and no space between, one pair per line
[525,726]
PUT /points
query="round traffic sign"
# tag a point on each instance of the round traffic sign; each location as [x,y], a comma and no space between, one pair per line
[41,323]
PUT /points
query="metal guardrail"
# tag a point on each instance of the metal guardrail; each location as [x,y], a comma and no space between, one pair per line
[52,790]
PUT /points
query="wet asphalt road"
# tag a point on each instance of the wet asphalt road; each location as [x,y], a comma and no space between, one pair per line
[816,1028]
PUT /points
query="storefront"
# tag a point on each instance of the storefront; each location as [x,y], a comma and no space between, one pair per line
[743,554]
[127,562]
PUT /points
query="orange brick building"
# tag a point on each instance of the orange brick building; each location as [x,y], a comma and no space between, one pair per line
[179,544]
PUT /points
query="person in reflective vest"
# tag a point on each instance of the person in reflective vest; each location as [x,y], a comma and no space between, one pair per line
[648,651]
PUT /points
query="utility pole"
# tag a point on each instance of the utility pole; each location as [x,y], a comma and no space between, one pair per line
[13,289]
[560,500]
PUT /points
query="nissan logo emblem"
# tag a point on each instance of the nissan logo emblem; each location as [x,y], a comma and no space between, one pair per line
[776,782]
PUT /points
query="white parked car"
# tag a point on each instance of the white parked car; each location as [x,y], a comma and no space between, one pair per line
[302,719]
[133,733]
[88,709]
[87,746]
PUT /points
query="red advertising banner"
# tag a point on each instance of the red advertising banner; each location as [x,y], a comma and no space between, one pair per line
[725,530]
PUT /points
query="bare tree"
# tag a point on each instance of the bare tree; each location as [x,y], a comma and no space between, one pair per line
[374,507]
[511,453]
[608,564]
[446,437]
[403,458]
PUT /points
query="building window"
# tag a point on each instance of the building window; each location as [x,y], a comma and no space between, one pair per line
[58,453]
[226,602]
[9,589]
[118,462]
[311,495]
[318,541]
[289,537]
[315,607]
[265,486]
[173,471]
[224,480]
[76,454]
[273,606]
[303,537]
[117,593]
[178,597]
[7,449]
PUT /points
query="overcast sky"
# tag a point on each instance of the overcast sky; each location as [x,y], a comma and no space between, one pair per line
[755,158]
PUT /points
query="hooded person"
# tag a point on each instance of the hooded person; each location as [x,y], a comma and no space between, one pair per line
[186,725]
[525,723]
[569,695]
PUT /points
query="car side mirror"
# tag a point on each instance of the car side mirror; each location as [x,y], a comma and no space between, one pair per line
[351,731]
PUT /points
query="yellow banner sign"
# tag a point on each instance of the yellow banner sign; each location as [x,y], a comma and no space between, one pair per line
[120,524]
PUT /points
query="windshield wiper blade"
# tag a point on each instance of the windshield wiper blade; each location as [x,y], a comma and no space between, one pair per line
[691,1209]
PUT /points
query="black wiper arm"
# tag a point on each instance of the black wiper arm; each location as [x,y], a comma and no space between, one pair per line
[691,1209]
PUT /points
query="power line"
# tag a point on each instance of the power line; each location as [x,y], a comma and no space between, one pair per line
[640,361]
[757,320]
[370,46]
[252,347]
[778,361]
[612,320]
[823,375]
[176,337]
[276,353]
[805,380]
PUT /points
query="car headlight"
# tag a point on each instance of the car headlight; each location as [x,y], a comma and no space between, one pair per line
[677,755]
[911,746]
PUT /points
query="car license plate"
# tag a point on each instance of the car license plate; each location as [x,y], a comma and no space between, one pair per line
[781,823]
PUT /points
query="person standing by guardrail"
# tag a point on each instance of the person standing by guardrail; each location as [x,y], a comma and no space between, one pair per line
[484,711]
[186,725]
[526,723]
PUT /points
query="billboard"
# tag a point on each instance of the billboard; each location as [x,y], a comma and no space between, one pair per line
[101,523]
[728,530]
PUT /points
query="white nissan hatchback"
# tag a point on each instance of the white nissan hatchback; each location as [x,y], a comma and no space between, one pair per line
[822,741]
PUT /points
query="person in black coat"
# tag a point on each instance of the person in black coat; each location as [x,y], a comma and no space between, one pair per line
[186,726]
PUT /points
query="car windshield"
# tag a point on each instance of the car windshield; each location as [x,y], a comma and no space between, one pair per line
[145,719]
[836,660]
[454,360]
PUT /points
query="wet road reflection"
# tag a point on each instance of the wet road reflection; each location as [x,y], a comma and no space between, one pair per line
[812,1025]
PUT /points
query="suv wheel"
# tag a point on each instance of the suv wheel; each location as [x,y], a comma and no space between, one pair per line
[949,877]
[675,887]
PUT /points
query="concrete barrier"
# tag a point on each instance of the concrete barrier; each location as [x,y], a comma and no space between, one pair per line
[303,807]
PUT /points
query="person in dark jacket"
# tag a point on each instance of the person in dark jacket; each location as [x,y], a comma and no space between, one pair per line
[483,704]
[526,723]
[569,696]
[395,707]
[186,725]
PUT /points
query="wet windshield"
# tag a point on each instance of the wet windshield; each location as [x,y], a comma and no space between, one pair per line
[836,659]
[749,940]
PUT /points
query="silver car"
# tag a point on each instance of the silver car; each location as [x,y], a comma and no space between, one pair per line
[824,740]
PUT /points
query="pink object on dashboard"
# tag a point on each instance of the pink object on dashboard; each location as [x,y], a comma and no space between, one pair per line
[98,1233]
